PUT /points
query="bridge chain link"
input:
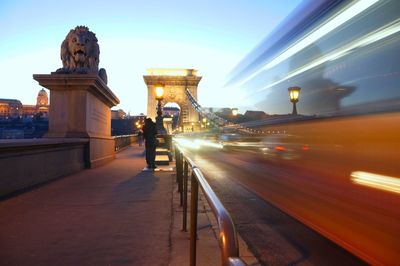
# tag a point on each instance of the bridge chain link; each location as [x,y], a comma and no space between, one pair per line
[211,116]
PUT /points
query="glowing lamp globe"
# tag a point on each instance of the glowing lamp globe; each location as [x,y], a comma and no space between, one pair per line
[294,93]
[234,111]
[159,92]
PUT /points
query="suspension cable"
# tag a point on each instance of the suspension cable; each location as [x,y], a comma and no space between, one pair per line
[211,116]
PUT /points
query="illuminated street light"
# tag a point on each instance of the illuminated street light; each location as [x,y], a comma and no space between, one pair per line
[294,97]
[234,111]
[159,90]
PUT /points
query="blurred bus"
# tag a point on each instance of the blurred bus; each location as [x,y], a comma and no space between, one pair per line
[345,57]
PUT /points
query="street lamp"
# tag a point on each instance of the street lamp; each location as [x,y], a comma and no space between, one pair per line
[159,90]
[234,111]
[294,97]
[138,125]
[204,124]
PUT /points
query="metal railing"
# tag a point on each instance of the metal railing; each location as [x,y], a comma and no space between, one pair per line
[123,141]
[227,233]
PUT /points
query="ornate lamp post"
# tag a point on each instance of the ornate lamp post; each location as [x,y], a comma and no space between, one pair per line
[294,97]
[159,119]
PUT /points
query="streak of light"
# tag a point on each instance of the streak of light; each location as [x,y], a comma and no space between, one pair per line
[242,144]
[197,143]
[338,53]
[305,148]
[382,182]
[186,143]
[346,14]
[208,143]
[279,148]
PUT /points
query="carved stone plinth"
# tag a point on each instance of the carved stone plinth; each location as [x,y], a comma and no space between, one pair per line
[80,108]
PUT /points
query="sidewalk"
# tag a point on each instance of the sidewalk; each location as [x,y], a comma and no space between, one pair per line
[112,215]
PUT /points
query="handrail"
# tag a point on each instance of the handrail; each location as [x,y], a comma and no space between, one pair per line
[122,141]
[227,237]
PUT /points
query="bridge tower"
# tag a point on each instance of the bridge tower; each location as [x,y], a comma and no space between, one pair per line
[175,81]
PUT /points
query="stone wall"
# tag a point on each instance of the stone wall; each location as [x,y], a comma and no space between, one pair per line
[25,163]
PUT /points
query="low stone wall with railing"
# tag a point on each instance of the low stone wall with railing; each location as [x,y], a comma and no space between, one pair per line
[124,141]
[28,162]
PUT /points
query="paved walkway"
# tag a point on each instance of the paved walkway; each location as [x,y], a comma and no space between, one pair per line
[112,215]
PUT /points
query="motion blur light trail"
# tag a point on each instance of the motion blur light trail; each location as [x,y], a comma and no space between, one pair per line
[186,143]
[197,143]
[376,36]
[387,183]
[346,14]
[207,143]
[335,166]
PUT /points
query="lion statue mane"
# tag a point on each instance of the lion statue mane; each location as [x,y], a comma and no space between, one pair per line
[80,53]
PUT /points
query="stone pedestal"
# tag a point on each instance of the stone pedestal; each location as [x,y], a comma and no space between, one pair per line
[80,108]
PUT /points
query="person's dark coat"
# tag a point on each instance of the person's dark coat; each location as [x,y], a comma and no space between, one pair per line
[149,133]
[150,142]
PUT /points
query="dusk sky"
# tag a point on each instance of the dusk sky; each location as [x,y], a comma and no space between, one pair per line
[211,36]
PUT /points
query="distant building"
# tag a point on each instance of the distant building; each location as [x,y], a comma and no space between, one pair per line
[255,115]
[139,119]
[171,111]
[118,114]
[13,108]
[126,125]
[10,108]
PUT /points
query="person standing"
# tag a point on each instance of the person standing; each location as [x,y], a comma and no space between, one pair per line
[150,142]
[140,137]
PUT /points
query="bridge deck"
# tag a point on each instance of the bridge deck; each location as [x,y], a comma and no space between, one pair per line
[112,215]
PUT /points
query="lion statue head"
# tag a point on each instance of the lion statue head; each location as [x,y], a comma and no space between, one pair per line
[80,53]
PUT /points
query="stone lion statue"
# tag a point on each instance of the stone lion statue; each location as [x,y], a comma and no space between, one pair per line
[80,53]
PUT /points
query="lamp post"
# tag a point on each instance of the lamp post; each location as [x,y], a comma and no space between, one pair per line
[235,111]
[204,124]
[159,90]
[138,125]
[294,97]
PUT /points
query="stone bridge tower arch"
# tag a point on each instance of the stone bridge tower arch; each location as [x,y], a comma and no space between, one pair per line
[175,82]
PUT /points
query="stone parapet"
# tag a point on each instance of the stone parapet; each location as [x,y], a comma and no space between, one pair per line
[25,163]
[80,108]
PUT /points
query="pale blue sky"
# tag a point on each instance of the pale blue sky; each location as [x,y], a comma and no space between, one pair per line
[211,36]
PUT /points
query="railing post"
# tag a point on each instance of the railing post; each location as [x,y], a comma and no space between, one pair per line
[193,218]
[179,171]
[177,152]
[185,190]
[180,179]
[228,237]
